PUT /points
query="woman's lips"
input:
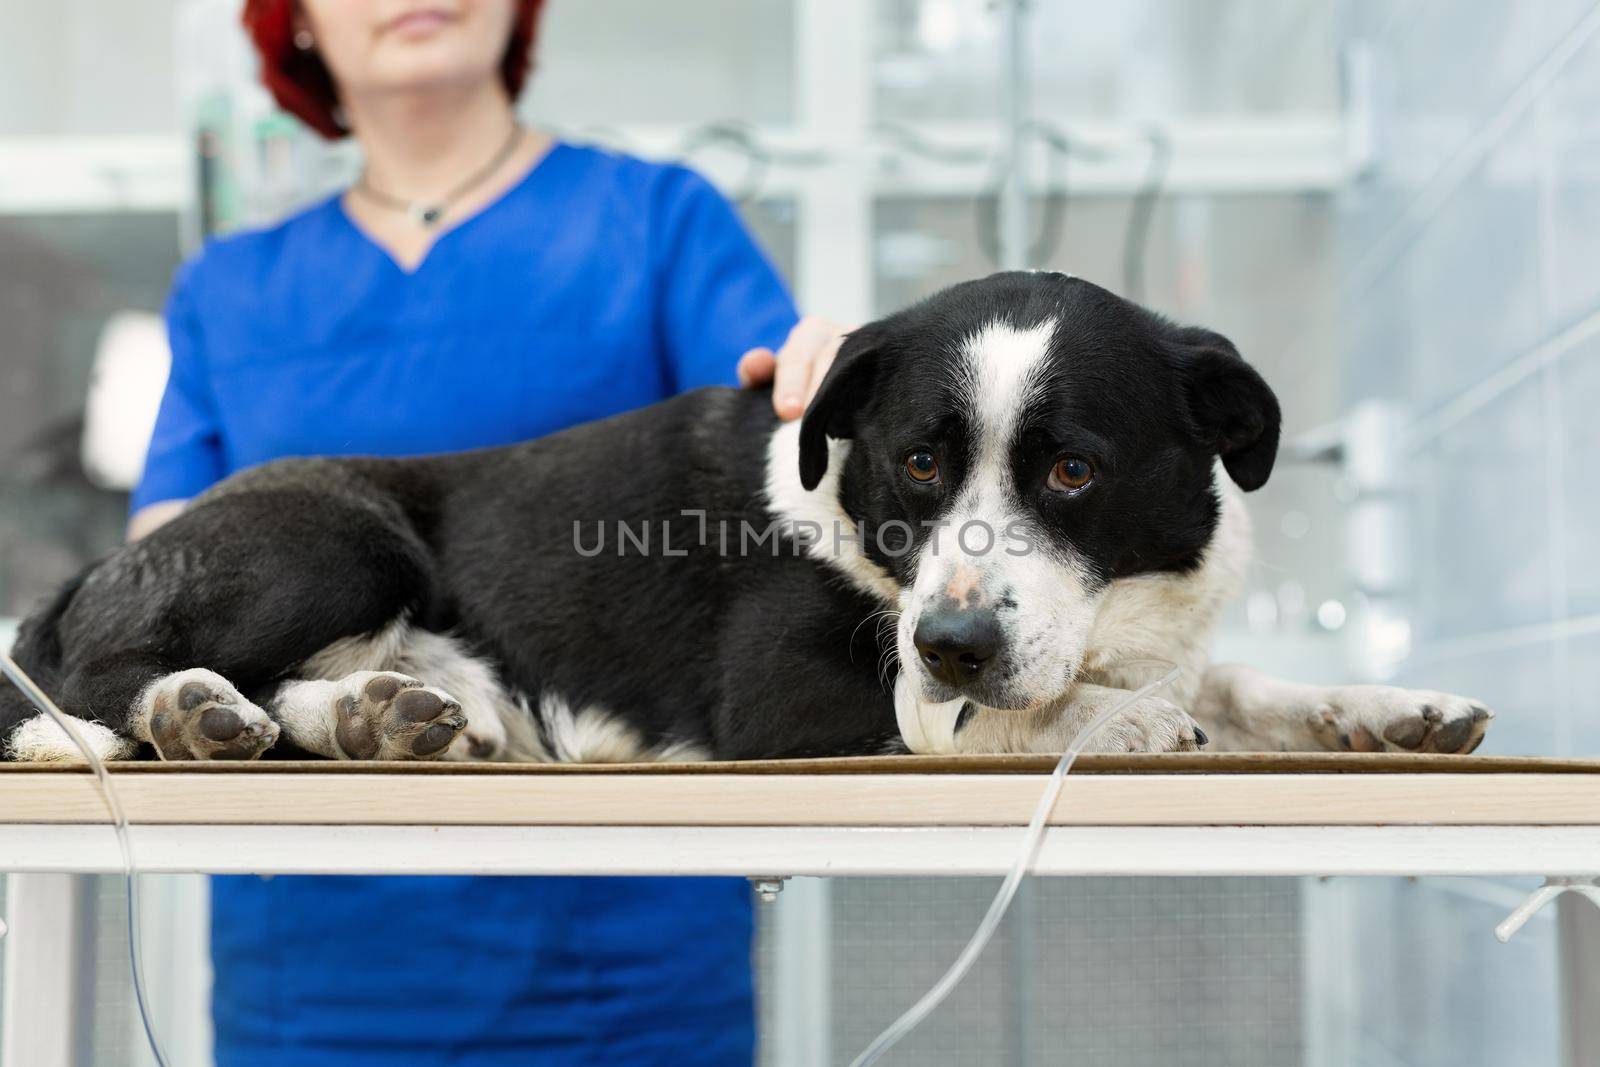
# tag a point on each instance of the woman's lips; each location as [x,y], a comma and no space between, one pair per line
[418,23]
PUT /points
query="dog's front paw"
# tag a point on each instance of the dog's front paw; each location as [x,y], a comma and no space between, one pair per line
[1150,725]
[484,739]
[1380,718]
[386,716]
[196,714]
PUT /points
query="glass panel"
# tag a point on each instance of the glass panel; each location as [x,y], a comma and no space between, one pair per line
[640,61]
[939,59]
[110,1033]
[1190,971]
[773,222]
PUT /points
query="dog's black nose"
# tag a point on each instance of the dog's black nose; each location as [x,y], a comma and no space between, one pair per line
[955,646]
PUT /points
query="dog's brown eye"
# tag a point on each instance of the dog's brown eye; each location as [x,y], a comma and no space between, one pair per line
[1070,474]
[922,467]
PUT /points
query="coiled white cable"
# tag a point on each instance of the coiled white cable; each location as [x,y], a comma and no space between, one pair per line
[1008,888]
[119,822]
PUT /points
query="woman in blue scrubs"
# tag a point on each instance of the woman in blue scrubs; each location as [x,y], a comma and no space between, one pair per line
[481,284]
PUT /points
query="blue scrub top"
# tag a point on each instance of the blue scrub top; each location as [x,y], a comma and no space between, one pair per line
[597,284]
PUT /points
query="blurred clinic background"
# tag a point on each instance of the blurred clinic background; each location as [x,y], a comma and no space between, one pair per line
[1392,206]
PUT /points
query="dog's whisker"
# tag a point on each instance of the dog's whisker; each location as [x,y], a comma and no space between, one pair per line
[869,618]
[886,665]
[851,643]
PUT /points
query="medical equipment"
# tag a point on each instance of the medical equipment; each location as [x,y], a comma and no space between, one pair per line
[119,822]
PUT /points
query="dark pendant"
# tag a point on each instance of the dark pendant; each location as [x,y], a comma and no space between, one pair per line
[427,216]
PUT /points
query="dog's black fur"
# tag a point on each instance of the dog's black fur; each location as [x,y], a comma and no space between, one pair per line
[756,655]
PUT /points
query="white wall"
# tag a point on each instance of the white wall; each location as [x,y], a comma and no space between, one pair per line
[87,67]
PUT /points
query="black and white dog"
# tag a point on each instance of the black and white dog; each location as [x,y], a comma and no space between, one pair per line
[1005,507]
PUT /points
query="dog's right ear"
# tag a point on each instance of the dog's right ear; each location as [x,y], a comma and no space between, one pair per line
[1233,408]
[832,412]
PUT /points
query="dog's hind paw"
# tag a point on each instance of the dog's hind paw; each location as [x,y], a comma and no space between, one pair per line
[197,715]
[1380,718]
[386,716]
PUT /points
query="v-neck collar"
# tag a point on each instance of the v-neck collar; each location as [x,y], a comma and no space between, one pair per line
[540,166]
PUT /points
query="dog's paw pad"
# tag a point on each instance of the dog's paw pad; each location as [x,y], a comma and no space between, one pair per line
[1410,730]
[390,716]
[1449,725]
[1383,719]
[196,714]
[1460,727]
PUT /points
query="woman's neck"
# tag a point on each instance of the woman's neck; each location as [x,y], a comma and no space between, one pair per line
[419,145]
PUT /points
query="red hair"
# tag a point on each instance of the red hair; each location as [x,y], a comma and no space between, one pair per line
[303,85]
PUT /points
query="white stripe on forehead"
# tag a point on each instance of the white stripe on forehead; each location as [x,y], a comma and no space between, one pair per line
[1002,375]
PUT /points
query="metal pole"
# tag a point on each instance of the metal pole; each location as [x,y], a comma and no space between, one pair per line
[1013,224]
[835,277]
[44,955]
[1578,945]
[1014,115]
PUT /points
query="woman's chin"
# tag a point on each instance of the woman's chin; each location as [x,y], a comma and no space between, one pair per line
[424,68]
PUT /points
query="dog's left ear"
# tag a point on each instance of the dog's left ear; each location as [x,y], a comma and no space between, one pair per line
[1233,408]
[832,412]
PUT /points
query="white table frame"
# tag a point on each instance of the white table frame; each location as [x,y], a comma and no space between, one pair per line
[1523,820]
[823,851]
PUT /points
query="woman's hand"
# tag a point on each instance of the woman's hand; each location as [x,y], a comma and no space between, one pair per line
[797,368]
[148,518]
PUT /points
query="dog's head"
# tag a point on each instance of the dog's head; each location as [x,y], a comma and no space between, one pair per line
[1017,444]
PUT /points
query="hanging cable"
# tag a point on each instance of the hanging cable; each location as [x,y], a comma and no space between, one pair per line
[908,140]
[1051,227]
[1136,242]
[760,157]
[119,823]
[1062,150]
[739,137]
[986,203]
[1031,840]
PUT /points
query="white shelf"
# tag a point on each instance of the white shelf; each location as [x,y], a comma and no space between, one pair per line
[70,175]
[93,175]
